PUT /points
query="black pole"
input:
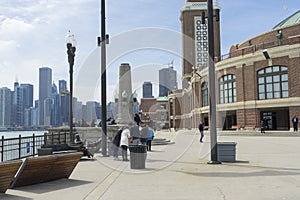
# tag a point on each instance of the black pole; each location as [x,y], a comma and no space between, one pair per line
[212,90]
[71,56]
[103,81]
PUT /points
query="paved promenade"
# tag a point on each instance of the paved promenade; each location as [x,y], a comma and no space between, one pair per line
[267,167]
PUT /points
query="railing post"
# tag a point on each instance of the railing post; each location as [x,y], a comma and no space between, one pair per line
[59,138]
[20,146]
[65,137]
[2,149]
[33,145]
[45,138]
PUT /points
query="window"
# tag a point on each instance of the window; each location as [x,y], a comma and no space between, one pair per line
[273,82]
[227,89]
[204,92]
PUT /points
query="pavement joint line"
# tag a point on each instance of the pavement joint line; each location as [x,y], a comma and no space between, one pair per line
[100,189]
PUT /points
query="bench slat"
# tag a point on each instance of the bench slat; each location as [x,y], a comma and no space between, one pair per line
[8,170]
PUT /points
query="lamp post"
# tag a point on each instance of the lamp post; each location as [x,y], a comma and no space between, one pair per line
[103,80]
[212,87]
[71,48]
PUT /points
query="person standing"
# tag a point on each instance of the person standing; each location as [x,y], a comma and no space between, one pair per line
[144,133]
[116,143]
[150,138]
[295,123]
[135,134]
[124,142]
[201,129]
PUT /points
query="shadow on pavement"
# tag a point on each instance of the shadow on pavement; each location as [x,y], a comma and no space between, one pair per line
[12,197]
[52,186]
[241,174]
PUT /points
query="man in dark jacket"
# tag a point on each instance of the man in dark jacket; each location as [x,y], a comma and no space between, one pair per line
[201,129]
[116,143]
[295,123]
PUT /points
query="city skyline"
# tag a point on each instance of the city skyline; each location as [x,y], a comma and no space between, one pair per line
[33,36]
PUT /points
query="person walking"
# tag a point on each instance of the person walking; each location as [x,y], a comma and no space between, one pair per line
[201,129]
[144,133]
[262,126]
[116,143]
[150,138]
[295,123]
[125,142]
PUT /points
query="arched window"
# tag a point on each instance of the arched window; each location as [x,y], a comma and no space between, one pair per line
[273,82]
[227,89]
[204,92]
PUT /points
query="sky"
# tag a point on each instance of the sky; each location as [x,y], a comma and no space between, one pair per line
[143,33]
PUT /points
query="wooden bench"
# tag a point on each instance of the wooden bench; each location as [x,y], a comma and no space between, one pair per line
[8,170]
[46,168]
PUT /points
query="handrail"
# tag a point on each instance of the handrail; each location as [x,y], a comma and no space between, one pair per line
[26,146]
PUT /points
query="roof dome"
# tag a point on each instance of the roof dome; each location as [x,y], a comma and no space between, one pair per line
[291,20]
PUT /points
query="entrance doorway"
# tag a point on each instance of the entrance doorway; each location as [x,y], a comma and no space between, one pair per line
[276,119]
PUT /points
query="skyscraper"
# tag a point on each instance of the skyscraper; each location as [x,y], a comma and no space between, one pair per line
[62,86]
[5,107]
[147,89]
[28,95]
[167,81]
[45,86]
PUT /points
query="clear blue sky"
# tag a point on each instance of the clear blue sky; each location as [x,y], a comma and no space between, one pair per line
[32,34]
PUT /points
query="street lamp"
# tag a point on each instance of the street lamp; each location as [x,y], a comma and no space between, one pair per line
[71,46]
[212,87]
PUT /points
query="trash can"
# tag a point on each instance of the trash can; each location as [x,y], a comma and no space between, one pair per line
[227,151]
[138,154]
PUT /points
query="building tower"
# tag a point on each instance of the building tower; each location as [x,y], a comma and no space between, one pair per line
[167,80]
[5,107]
[62,86]
[147,89]
[125,114]
[195,37]
[45,87]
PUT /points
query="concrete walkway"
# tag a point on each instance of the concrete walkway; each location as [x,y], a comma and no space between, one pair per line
[266,168]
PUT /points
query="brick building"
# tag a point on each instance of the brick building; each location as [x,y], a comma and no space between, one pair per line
[258,78]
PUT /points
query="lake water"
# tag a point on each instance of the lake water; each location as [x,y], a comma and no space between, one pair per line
[14,134]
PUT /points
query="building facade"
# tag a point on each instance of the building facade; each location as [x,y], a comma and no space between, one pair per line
[259,78]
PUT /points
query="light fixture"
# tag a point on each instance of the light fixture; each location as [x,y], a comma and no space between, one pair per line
[266,54]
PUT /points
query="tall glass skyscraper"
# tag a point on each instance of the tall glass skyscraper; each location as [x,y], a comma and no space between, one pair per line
[45,87]
[167,81]
[147,89]
[62,86]
[5,107]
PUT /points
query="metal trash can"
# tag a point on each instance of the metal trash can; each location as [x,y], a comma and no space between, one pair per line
[227,151]
[138,155]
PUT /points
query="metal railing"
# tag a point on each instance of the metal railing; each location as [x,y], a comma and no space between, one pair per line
[27,146]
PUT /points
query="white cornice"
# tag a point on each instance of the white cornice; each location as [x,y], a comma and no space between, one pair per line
[198,6]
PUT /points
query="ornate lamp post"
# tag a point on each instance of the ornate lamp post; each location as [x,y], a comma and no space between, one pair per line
[71,48]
